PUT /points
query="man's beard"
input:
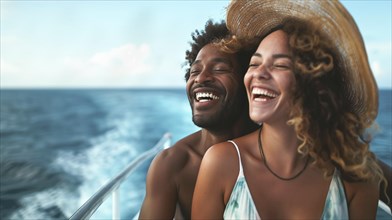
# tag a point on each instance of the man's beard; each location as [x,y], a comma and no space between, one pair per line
[214,121]
[224,118]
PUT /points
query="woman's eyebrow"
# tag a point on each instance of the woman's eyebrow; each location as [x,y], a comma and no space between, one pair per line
[282,55]
[275,56]
[257,55]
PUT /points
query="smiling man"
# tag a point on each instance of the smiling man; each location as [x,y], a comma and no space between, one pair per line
[215,85]
[219,107]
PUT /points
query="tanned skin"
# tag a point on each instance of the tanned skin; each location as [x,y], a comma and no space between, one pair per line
[172,175]
[304,195]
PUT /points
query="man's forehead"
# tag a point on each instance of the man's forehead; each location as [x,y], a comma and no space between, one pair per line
[212,53]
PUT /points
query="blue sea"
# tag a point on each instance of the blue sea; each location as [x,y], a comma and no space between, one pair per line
[58,147]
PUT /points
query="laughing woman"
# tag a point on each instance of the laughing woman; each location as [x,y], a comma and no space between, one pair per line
[311,87]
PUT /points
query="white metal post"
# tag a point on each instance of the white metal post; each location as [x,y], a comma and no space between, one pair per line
[116,204]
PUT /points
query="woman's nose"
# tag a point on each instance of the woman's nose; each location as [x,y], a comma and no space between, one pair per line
[262,72]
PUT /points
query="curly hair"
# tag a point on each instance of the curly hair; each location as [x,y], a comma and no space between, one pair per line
[330,131]
[213,33]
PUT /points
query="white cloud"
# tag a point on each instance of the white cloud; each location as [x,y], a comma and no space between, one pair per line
[8,73]
[376,68]
[381,74]
[128,65]
[7,67]
[127,59]
[117,66]
[382,47]
[380,56]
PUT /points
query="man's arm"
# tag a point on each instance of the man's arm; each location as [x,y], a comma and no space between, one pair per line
[387,170]
[161,192]
[363,205]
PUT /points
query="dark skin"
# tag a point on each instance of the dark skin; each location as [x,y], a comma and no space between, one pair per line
[172,175]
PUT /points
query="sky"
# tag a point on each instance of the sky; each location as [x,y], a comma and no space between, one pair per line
[126,44]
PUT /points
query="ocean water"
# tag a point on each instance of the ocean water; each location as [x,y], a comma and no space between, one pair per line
[58,147]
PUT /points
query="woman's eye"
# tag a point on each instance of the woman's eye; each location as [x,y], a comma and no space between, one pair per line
[282,66]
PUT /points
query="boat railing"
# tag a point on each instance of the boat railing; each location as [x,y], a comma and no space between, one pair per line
[384,207]
[112,187]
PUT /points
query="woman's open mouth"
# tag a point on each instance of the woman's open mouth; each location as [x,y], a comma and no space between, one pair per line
[262,95]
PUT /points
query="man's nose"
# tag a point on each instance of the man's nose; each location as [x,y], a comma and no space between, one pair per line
[204,76]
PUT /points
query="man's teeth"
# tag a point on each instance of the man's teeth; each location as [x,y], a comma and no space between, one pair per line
[205,96]
[263,92]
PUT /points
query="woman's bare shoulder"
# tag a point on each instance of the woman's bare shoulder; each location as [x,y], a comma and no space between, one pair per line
[220,166]
[221,152]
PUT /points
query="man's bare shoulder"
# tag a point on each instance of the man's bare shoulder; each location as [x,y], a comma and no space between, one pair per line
[164,178]
[174,158]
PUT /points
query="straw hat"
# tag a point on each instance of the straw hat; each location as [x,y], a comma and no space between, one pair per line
[251,18]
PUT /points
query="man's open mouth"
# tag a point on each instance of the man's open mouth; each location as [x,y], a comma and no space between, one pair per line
[205,96]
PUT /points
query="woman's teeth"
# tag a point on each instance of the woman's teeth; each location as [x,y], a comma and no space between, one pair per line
[263,93]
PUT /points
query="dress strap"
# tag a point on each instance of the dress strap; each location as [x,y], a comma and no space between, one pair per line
[336,203]
[240,174]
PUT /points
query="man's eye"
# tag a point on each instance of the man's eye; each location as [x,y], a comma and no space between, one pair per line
[251,65]
[193,72]
[221,70]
